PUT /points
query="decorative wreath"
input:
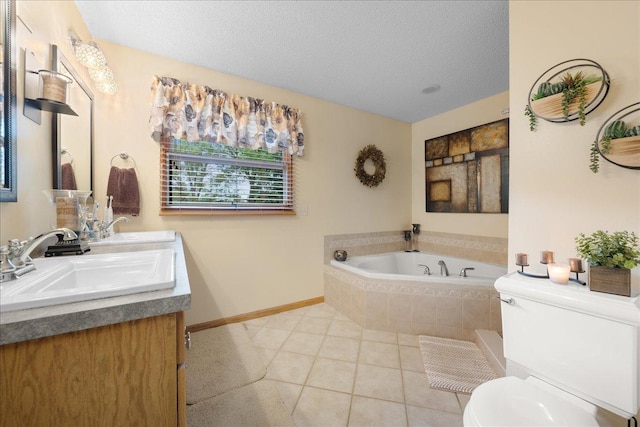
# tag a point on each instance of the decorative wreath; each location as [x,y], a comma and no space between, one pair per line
[370,152]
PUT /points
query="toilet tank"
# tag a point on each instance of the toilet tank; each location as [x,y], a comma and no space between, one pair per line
[584,342]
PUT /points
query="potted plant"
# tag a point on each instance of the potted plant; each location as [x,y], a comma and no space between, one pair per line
[616,130]
[562,98]
[611,256]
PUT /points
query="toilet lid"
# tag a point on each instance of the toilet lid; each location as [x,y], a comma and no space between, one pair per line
[510,401]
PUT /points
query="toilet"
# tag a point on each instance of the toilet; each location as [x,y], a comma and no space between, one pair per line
[568,351]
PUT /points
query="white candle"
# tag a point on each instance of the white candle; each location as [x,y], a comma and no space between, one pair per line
[559,273]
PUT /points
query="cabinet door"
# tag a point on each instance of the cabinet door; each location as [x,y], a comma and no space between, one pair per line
[181,373]
[121,374]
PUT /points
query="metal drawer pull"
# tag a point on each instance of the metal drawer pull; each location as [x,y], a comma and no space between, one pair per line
[187,340]
[509,301]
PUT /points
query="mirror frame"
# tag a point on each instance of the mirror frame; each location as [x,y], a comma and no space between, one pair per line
[9,192]
[56,126]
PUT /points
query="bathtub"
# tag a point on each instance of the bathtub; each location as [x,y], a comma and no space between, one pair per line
[390,292]
[406,266]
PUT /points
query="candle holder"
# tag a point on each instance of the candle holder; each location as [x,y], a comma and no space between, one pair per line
[546,258]
[535,276]
[577,279]
[522,262]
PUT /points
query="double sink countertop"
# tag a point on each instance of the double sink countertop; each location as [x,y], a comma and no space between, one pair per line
[27,324]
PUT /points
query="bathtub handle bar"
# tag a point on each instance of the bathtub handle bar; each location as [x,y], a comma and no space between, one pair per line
[427,271]
[463,272]
[509,301]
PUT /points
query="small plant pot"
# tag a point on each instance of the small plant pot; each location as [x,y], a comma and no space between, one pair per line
[615,281]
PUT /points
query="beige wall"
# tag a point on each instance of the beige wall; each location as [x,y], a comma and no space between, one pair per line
[478,113]
[242,264]
[554,195]
[236,264]
[49,23]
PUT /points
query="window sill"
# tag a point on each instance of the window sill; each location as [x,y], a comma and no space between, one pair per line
[235,212]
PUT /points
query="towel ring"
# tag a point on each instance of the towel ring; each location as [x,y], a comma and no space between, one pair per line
[124,156]
[65,151]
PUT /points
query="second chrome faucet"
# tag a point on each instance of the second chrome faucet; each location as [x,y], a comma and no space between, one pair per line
[444,271]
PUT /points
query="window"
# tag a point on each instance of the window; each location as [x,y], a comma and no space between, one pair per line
[203,177]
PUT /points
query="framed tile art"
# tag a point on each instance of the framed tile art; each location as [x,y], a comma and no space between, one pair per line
[468,171]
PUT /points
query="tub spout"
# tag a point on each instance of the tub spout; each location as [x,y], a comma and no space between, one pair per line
[444,271]
[463,272]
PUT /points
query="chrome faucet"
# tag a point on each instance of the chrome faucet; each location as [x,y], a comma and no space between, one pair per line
[444,271]
[20,251]
[427,271]
[463,272]
[16,260]
[105,229]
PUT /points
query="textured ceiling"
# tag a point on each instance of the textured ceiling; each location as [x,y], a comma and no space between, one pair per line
[376,56]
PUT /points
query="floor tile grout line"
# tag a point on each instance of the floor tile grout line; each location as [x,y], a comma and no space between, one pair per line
[355,378]
[359,340]
[310,369]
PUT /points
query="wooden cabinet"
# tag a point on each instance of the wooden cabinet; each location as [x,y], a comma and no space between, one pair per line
[127,374]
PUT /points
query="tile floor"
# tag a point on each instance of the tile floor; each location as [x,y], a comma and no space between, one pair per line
[331,372]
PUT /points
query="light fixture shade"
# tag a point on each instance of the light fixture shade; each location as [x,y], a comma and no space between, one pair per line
[52,86]
[110,87]
[102,74]
[90,55]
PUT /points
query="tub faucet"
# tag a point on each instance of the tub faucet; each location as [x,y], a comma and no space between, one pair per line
[463,272]
[426,269]
[444,271]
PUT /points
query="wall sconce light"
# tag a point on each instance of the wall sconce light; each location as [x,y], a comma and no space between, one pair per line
[44,90]
[91,56]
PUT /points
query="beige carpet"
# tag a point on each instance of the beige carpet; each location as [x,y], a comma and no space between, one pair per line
[454,365]
[220,360]
[224,382]
[257,404]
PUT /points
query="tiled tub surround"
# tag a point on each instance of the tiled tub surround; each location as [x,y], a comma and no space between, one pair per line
[450,311]
[364,243]
[418,308]
[478,248]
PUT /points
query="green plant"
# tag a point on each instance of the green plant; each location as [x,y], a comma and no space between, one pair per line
[571,87]
[615,130]
[533,119]
[574,88]
[616,250]
[594,155]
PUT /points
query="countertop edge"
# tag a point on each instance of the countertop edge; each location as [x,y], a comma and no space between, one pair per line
[31,324]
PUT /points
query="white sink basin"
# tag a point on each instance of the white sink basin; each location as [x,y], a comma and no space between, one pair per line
[61,280]
[137,237]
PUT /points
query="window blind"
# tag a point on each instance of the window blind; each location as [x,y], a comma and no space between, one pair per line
[202,177]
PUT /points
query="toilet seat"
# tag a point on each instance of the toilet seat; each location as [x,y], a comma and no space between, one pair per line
[511,401]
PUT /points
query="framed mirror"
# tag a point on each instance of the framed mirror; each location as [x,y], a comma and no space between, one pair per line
[8,132]
[72,136]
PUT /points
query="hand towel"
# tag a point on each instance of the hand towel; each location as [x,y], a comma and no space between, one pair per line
[68,177]
[123,186]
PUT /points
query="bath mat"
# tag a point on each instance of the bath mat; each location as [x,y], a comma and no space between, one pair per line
[221,359]
[454,365]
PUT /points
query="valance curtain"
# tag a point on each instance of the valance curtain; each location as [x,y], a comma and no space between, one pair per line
[199,113]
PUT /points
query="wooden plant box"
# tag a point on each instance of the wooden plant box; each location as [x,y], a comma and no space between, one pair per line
[625,151]
[550,107]
[615,281]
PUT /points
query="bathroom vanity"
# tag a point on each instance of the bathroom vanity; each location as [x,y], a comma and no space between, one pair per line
[110,361]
